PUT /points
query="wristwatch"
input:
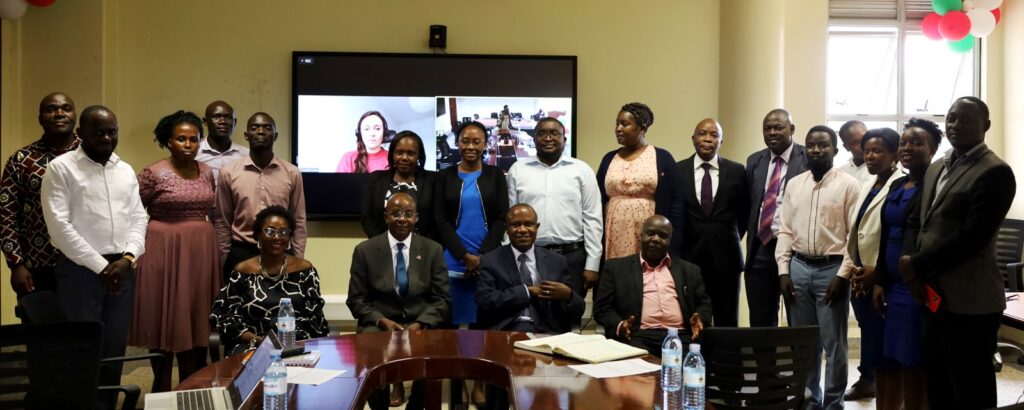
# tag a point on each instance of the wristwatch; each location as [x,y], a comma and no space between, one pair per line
[130,257]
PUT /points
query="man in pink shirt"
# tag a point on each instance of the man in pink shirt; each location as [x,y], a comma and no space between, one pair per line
[640,296]
[814,267]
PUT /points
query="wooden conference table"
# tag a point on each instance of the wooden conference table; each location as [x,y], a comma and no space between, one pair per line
[373,360]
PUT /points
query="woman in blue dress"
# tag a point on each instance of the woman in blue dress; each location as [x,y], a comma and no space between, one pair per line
[901,378]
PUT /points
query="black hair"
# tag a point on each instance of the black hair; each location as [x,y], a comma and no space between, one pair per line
[261,113]
[828,130]
[419,143]
[889,137]
[551,119]
[266,213]
[360,161]
[930,126]
[845,128]
[164,130]
[86,115]
[643,114]
[470,124]
[977,101]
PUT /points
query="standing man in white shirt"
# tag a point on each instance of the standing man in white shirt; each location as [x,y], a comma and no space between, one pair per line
[814,265]
[94,215]
[563,191]
[851,132]
[217,150]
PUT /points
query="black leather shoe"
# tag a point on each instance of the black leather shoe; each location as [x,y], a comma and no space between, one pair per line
[860,390]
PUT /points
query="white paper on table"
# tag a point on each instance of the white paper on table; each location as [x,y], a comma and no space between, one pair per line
[614,369]
[311,375]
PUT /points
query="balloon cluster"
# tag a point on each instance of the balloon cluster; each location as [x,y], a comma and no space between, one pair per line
[14,9]
[961,21]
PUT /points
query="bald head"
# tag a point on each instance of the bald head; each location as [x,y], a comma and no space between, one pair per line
[521,226]
[778,130]
[655,236]
[400,215]
[707,138]
[57,116]
[98,131]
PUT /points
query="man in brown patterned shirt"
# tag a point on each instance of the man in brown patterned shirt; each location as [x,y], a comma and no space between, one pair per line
[25,242]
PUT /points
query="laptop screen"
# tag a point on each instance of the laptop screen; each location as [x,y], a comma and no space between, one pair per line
[252,372]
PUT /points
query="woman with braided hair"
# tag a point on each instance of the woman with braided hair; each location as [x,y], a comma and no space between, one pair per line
[636,181]
[178,277]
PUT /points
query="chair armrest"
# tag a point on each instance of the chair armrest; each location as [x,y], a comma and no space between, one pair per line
[131,394]
[214,345]
[148,356]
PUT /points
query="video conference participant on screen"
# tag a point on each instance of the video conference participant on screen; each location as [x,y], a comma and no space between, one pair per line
[368,155]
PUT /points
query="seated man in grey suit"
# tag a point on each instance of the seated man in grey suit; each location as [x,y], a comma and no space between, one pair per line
[640,296]
[523,287]
[399,281]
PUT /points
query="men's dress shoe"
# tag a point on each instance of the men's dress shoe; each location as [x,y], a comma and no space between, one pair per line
[860,390]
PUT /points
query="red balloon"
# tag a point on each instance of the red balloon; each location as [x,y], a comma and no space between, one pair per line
[41,3]
[954,26]
[930,26]
[997,14]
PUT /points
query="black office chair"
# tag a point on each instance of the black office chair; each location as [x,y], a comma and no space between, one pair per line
[732,353]
[54,366]
[1009,247]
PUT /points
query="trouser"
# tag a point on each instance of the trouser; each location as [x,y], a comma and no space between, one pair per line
[809,309]
[84,298]
[43,281]
[958,356]
[723,288]
[239,252]
[762,280]
[576,260]
[872,328]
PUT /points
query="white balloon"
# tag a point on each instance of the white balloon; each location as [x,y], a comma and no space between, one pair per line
[987,4]
[968,5]
[982,22]
[13,9]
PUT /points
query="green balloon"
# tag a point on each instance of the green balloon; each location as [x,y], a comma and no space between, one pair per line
[944,6]
[962,46]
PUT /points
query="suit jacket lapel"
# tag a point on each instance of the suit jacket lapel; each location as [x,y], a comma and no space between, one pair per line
[687,174]
[677,277]
[760,175]
[415,263]
[722,193]
[387,273]
[637,273]
[954,176]
[796,160]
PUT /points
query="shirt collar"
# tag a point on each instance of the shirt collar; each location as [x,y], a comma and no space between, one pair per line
[274,162]
[204,146]
[831,174]
[530,254]
[698,162]
[785,154]
[666,263]
[81,155]
[854,165]
[41,146]
[564,159]
[393,241]
[951,160]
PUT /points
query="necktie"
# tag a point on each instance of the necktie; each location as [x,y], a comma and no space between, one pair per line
[771,195]
[524,274]
[401,272]
[705,190]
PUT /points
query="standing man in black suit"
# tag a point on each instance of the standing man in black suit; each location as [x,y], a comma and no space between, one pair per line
[522,287]
[768,171]
[399,282]
[964,201]
[717,203]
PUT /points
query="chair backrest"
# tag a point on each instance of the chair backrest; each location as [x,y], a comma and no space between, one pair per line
[776,362]
[1009,247]
[42,307]
[50,365]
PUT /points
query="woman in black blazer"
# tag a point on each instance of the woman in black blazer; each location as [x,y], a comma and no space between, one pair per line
[405,173]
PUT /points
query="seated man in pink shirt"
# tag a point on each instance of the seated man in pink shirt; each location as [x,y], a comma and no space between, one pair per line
[642,295]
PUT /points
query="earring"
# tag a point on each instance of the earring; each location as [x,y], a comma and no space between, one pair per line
[259,245]
[893,165]
[289,246]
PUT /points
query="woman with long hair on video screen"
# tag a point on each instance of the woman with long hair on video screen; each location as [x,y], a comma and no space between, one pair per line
[368,156]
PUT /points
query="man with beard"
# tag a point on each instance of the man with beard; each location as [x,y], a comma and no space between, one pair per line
[563,191]
[249,185]
[25,241]
[814,267]
[217,150]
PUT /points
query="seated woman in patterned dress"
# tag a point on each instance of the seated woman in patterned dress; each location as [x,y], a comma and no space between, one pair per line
[246,308]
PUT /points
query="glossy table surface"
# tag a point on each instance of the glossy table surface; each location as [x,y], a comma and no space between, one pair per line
[372,360]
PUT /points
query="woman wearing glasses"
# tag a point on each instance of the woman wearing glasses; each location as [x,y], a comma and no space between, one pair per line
[246,308]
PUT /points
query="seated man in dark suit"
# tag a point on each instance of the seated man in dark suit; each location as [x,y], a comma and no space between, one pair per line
[399,281]
[640,296]
[524,287]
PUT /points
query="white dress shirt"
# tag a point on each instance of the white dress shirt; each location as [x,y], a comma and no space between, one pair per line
[860,173]
[567,201]
[698,175]
[531,264]
[777,221]
[217,160]
[394,256]
[93,210]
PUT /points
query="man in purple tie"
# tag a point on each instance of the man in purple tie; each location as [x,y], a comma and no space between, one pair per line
[768,171]
[717,202]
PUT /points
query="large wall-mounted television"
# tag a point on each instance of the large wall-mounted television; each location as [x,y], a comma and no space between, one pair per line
[347,108]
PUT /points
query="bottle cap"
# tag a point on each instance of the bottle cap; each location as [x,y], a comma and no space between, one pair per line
[673,332]
[275,352]
[695,347]
[286,301]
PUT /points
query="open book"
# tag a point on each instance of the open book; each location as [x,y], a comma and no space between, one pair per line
[588,348]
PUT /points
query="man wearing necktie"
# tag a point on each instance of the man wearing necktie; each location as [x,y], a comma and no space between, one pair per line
[717,203]
[399,282]
[768,171]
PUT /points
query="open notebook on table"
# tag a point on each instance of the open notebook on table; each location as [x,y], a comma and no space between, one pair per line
[588,348]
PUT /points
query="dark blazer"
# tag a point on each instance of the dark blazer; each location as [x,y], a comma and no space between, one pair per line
[500,295]
[715,239]
[448,204]
[371,287]
[668,199]
[757,173]
[373,203]
[911,223]
[621,290]
[956,240]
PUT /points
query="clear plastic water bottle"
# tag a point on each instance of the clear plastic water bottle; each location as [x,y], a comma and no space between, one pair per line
[286,322]
[693,379]
[275,383]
